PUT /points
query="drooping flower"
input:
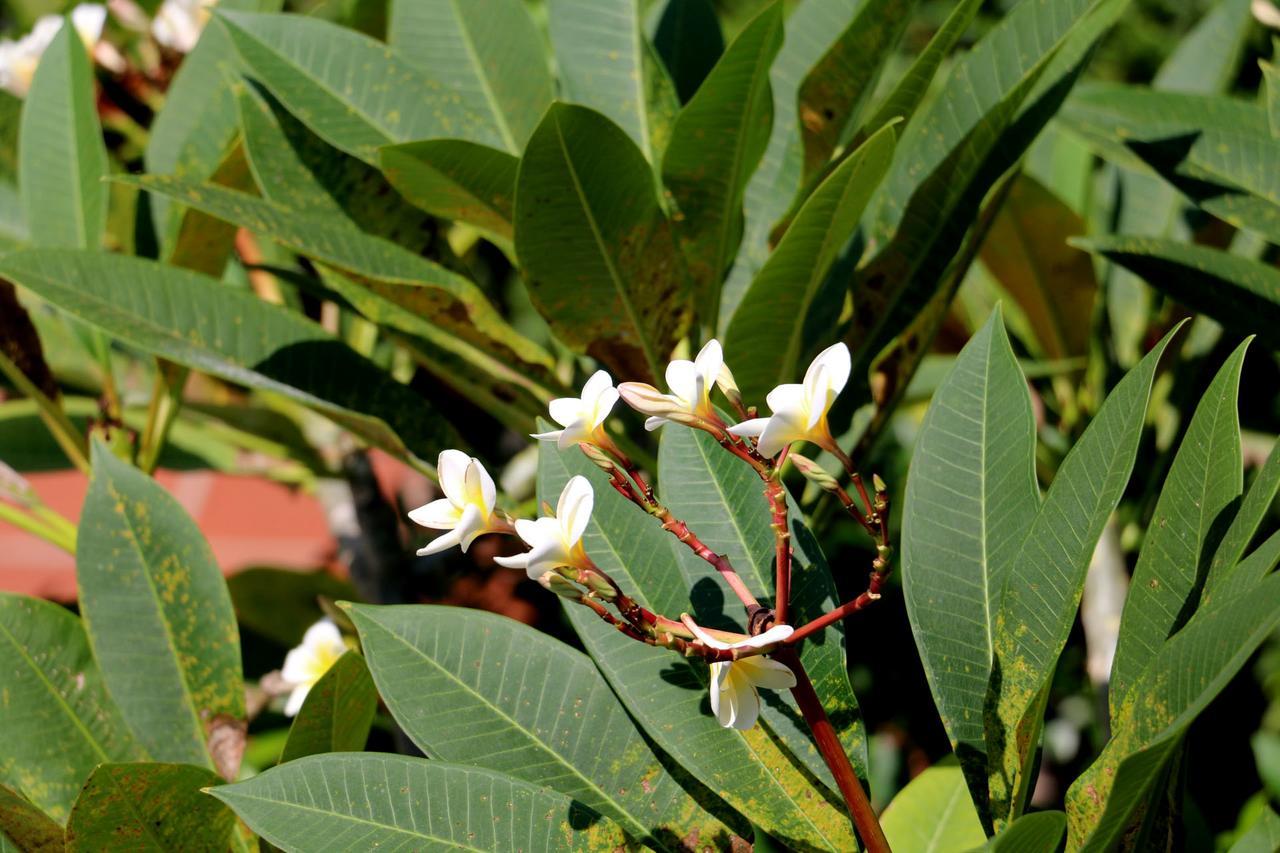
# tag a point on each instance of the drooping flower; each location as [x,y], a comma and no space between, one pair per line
[321,647]
[800,411]
[18,59]
[690,384]
[734,684]
[556,540]
[178,23]
[467,508]
[582,418]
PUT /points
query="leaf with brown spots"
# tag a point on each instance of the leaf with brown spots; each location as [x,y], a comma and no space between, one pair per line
[151,807]
[158,612]
[27,826]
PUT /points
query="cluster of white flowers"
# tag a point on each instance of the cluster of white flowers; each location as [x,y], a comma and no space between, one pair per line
[798,413]
[18,59]
[178,23]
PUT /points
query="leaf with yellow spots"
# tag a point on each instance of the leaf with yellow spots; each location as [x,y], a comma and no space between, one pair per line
[157,611]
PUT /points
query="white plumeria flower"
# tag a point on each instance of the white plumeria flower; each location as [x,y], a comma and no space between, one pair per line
[556,540]
[466,510]
[582,417]
[178,23]
[690,383]
[800,411]
[18,59]
[734,697]
[321,647]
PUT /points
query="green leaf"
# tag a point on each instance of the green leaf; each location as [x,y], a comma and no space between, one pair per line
[987,112]
[595,244]
[1217,152]
[485,691]
[280,604]
[457,180]
[686,34]
[1207,59]
[1042,591]
[297,170]
[971,496]
[786,309]
[810,30]
[1202,484]
[337,713]
[1249,571]
[1242,294]
[1262,837]
[149,807]
[354,92]
[57,722]
[487,53]
[1053,283]
[200,323]
[157,612]
[716,144]
[1271,76]
[836,90]
[1244,525]
[61,156]
[607,64]
[911,88]
[667,694]
[933,813]
[190,142]
[1040,831]
[1187,673]
[722,500]
[374,800]
[453,304]
[26,826]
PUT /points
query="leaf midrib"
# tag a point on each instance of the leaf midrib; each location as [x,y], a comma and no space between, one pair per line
[490,96]
[641,831]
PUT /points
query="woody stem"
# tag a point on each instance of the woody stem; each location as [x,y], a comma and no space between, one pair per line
[863,816]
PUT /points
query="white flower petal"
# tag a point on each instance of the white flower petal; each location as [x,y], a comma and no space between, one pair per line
[682,381]
[565,410]
[471,525]
[787,398]
[299,664]
[751,428]
[481,491]
[296,698]
[718,671]
[776,634]
[572,434]
[781,430]
[516,561]
[574,509]
[709,361]
[323,634]
[89,19]
[595,387]
[604,405]
[527,530]
[746,705]
[441,543]
[553,435]
[706,638]
[770,674]
[451,470]
[650,424]
[439,514]
[836,362]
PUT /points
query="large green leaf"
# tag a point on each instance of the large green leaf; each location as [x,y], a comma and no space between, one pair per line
[157,612]
[1202,484]
[784,311]
[667,694]
[26,825]
[354,92]
[57,722]
[485,691]
[595,244]
[686,34]
[487,53]
[61,156]
[1040,831]
[1242,294]
[366,801]
[1248,572]
[1042,590]
[836,90]
[443,298]
[338,711]
[156,807]
[987,112]
[810,31]
[458,180]
[722,500]
[716,144]
[200,323]
[1180,681]
[1053,283]
[1271,75]
[607,64]
[1216,151]
[1244,525]
[971,497]
[190,142]
[933,813]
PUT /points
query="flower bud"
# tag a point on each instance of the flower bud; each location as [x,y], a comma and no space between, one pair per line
[725,382]
[561,587]
[815,473]
[597,584]
[648,400]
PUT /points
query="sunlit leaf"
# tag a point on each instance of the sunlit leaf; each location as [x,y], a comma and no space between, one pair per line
[933,813]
